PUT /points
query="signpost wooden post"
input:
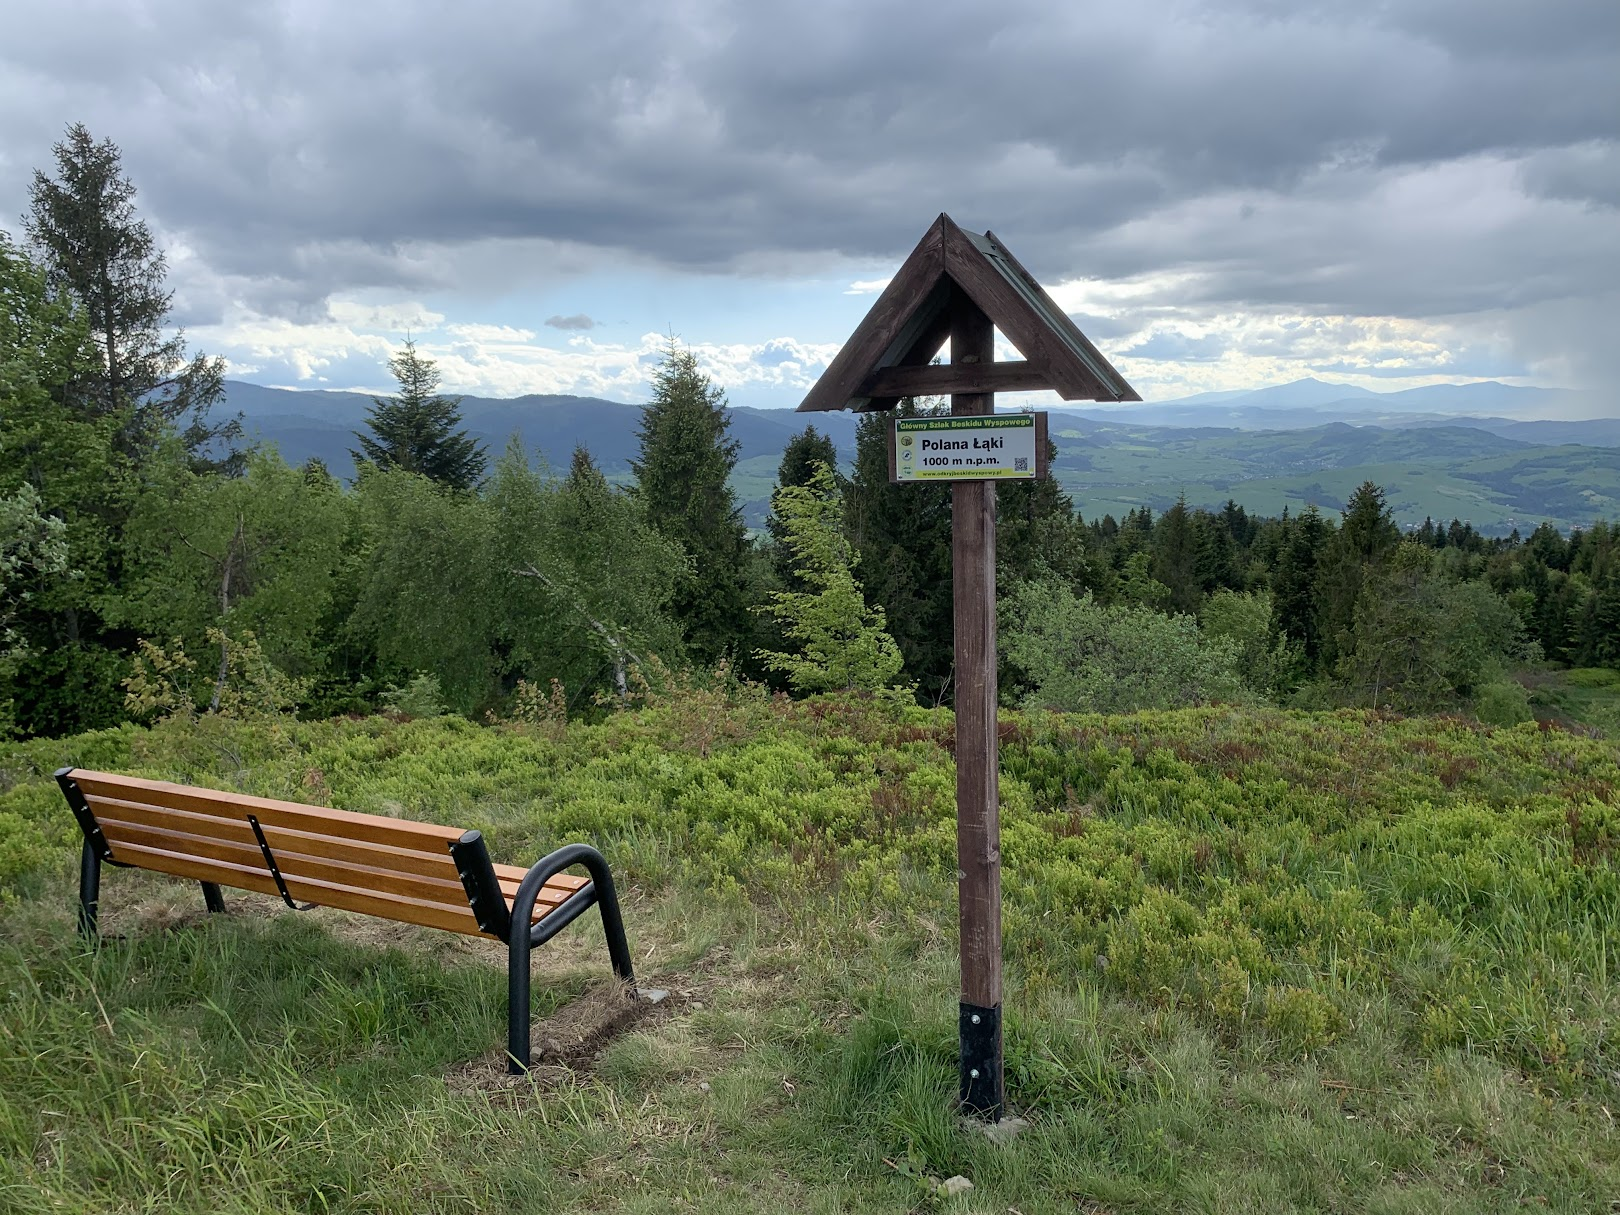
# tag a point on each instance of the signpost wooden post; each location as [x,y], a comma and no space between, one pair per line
[963,286]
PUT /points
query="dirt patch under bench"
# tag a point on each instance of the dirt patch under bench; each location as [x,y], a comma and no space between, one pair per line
[568,1042]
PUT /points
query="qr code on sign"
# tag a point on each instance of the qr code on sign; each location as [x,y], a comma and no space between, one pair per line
[1020,463]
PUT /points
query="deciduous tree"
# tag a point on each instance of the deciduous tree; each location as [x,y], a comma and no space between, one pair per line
[69,663]
[590,580]
[1077,655]
[258,554]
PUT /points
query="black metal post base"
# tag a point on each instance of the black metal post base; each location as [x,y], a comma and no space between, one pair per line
[981,1063]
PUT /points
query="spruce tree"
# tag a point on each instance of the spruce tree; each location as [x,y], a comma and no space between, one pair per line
[1293,582]
[842,643]
[419,430]
[1216,559]
[84,225]
[681,480]
[1554,618]
[1037,534]
[1175,558]
[1238,525]
[584,477]
[804,453]
[903,535]
[1364,541]
[1598,634]
[1549,547]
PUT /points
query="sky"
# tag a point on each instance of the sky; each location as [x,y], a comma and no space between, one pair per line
[1224,195]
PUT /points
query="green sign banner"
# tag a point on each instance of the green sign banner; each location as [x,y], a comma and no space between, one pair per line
[986,448]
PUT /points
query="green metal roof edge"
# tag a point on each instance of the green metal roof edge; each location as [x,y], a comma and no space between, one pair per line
[1055,319]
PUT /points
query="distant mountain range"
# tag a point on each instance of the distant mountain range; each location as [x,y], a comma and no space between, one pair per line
[1307,403]
[304,424]
[1486,453]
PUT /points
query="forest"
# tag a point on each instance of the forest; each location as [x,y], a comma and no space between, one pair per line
[154,564]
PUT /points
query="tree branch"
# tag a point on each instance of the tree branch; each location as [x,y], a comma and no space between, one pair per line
[620,650]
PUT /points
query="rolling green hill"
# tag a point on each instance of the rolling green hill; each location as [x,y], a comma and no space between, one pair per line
[1444,472]
[1492,473]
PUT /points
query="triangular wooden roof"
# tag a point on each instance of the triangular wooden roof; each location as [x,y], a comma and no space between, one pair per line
[888,355]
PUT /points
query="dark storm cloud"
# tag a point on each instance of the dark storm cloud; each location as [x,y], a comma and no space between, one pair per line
[1332,157]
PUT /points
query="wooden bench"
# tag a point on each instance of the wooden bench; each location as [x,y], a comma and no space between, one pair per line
[413,873]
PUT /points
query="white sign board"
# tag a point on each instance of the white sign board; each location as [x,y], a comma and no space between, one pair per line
[985,448]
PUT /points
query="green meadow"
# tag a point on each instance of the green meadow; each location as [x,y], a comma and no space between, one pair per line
[1257,961]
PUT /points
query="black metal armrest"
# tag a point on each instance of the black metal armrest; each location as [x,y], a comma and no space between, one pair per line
[524,936]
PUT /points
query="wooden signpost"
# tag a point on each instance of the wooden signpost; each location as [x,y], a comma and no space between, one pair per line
[961,286]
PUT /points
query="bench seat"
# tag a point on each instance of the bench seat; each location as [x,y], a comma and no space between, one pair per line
[394,869]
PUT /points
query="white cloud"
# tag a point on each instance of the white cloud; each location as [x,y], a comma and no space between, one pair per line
[405,317]
[495,334]
[491,360]
[870,286]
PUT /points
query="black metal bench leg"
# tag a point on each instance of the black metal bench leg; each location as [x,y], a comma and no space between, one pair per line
[517,999]
[607,901]
[89,891]
[212,897]
[522,937]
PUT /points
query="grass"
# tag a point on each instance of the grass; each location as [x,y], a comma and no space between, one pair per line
[1589,696]
[1257,961]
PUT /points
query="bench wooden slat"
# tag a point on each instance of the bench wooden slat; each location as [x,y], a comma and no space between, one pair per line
[246,857]
[378,856]
[551,893]
[309,890]
[367,828]
[445,888]
[512,875]
[235,830]
[243,853]
[202,869]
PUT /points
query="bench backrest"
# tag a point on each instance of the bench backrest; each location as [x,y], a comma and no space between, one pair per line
[412,872]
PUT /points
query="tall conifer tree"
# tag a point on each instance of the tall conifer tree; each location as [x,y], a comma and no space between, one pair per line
[841,644]
[1293,582]
[419,430]
[903,535]
[1216,561]
[804,453]
[1365,539]
[1175,557]
[681,478]
[1037,534]
[95,247]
